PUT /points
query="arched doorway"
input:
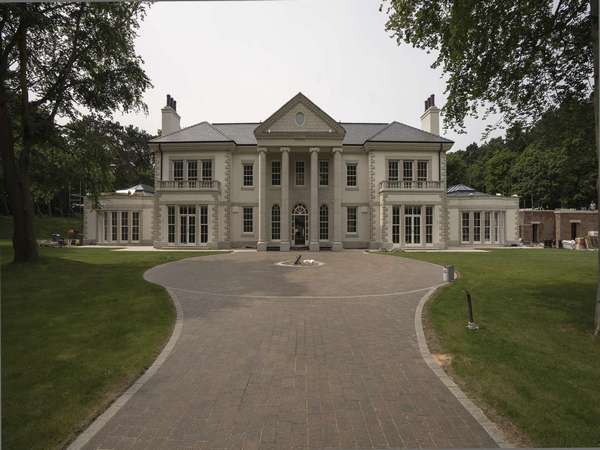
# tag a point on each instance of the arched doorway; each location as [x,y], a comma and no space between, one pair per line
[299,225]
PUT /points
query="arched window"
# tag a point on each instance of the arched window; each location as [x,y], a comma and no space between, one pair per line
[324,223]
[300,210]
[275,223]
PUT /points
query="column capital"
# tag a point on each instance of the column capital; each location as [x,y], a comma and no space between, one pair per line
[262,149]
[314,149]
[284,149]
[337,149]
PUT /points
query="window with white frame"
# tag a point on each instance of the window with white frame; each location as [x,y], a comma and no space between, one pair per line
[393,170]
[135,226]
[171,224]
[476,226]
[178,170]
[187,224]
[124,225]
[466,231]
[299,173]
[422,170]
[192,170]
[395,224]
[429,224]
[248,222]
[248,174]
[275,223]
[114,218]
[407,170]
[323,172]
[351,174]
[412,224]
[324,223]
[351,219]
[486,226]
[203,224]
[276,172]
[207,172]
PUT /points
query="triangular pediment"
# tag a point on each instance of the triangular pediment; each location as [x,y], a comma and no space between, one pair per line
[300,118]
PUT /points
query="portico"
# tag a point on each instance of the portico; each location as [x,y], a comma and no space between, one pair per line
[309,206]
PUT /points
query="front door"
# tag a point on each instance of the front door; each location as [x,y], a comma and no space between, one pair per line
[299,230]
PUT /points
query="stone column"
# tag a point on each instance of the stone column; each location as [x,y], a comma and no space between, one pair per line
[337,199]
[314,199]
[261,245]
[284,246]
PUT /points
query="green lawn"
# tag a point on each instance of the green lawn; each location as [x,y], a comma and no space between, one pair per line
[77,328]
[534,360]
[44,226]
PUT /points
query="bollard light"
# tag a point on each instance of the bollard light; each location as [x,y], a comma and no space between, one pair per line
[471,325]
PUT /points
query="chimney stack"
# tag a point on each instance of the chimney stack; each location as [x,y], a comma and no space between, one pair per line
[170,118]
[430,120]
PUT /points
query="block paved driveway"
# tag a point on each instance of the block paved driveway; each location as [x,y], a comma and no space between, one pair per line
[294,358]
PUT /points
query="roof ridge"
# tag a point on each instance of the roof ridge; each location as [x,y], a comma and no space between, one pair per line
[422,131]
[181,129]
[219,131]
[235,123]
[382,130]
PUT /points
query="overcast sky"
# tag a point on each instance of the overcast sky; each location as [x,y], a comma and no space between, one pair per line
[238,61]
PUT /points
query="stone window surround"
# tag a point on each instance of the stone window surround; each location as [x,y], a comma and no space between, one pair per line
[185,159]
[197,225]
[500,226]
[245,163]
[355,163]
[414,168]
[107,213]
[436,223]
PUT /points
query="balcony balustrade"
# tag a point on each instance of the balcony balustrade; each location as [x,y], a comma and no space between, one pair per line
[189,185]
[409,185]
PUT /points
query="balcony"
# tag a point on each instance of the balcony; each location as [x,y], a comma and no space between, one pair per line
[189,185]
[404,185]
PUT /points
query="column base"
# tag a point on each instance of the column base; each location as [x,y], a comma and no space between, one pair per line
[284,247]
[337,246]
[314,247]
[261,246]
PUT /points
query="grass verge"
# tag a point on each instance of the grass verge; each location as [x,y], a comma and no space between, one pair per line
[78,327]
[534,360]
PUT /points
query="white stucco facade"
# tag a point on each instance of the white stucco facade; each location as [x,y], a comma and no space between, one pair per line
[300,179]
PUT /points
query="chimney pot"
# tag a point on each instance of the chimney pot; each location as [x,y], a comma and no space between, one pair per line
[175,105]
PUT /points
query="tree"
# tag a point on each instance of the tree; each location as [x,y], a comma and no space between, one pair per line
[517,58]
[56,58]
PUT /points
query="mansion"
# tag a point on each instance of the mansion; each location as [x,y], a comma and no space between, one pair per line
[300,179]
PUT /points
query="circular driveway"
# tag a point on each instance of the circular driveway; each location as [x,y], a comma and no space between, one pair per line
[271,357]
[344,274]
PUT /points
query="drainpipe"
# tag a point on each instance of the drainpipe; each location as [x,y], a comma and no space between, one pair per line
[161,162]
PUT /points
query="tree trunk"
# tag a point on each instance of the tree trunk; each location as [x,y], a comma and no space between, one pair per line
[594,5]
[18,185]
[18,190]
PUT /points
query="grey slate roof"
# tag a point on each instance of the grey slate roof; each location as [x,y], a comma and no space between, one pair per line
[356,133]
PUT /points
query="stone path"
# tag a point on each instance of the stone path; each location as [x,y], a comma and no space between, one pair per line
[275,357]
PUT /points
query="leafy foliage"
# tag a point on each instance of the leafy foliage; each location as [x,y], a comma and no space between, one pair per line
[512,57]
[552,164]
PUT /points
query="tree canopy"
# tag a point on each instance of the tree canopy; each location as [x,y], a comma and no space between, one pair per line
[57,59]
[512,57]
[551,164]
